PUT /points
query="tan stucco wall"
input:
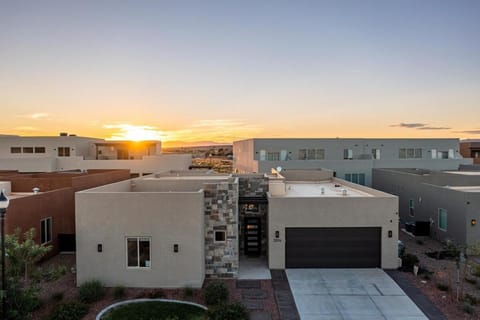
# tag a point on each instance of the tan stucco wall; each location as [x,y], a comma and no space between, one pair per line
[285,212]
[107,218]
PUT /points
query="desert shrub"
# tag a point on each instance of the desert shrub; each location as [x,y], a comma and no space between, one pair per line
[234,311]
[187,292]
[216,293]
[408,261]
[118,292]
[468,308]
[69,311]
[57,296]
[471,299]
[443,287]
[91,291]
[21,301]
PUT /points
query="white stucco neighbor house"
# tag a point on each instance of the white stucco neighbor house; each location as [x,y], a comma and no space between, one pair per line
[70,152]
[175,229]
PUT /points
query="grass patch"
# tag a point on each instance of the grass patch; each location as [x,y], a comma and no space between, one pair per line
[157,310]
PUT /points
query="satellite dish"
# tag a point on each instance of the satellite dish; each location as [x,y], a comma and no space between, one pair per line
[279,169]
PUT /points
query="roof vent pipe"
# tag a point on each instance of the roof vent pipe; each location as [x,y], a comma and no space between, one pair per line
[344,192]
[36,190]
[322,190]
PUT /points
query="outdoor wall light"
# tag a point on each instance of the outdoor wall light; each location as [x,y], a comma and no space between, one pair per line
[390,233]
[277,234]
[473,222]
[99,247]
[175,248]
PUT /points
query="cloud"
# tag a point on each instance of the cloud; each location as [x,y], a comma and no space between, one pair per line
[469,131]
[418,126]
[26,128]
[37,116]
[434,128]
[409,125]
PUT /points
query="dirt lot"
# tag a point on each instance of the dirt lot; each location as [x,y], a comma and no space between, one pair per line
[444,272]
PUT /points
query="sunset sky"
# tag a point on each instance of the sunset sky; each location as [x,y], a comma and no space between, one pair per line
[227,70]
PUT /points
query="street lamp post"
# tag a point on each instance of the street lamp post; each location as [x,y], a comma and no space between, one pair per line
[4,202]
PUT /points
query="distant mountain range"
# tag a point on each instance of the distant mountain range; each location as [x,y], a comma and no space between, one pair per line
[177,144]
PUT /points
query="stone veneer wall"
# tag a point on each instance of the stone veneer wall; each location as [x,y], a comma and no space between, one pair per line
[221,213]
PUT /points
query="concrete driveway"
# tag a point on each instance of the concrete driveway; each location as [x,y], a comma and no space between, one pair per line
[349,294]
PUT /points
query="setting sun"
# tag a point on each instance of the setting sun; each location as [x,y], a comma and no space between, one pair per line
[134,133]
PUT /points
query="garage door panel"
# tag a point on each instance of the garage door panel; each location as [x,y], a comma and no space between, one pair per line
[333,247]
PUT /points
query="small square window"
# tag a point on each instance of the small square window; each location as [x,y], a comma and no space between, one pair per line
[220,236]
[15,150]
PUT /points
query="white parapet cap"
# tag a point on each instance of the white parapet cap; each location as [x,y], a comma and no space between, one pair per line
[327,189]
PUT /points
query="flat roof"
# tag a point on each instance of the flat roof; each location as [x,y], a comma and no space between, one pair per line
[465,173]
[321,189]
[206,177]
[465,188]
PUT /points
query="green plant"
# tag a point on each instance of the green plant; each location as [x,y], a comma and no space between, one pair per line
[234,311]
[408,261]
[52,274]
[468,308]
[91,291]
[69,311]
[471,299]
[187,292]
[118,292]
[443,287]
[21,300]
[57,296]
[216,293]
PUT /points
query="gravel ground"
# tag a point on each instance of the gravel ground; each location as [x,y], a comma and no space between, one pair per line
[444,272]
[66,284]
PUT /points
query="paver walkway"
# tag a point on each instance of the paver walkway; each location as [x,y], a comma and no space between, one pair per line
[253,297]
[283,295]
[430,310]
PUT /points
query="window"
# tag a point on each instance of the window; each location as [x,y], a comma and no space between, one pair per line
[220,236]
[358,178]
[451,154]
[64,151]
[263,155]
[302,154]
[434,153]
[46,230]
[410,153]
[15,150]
[138,252]
[376,154]
[347,154]
[311,154]
[411,207]
[273,156]
[27,149]
[283,155]
[39,149]
[442,219]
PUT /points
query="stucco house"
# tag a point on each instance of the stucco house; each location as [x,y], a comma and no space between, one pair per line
[175,229]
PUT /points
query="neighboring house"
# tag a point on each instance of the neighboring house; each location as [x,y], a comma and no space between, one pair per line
[45,201]
[449,201]
[70,152]
[175,229]
[471,149]
[351,159]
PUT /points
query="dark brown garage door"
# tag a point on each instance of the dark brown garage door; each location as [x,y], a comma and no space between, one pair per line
[333,247]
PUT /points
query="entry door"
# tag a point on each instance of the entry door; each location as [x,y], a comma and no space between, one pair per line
[253,239]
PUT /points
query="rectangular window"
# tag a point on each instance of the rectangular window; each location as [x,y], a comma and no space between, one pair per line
[442,219]
[358,178]
[220,236]
[302,154]
[283,155]
[347,154]
[376,154]
[39,149]
[311,154]
[263,155]
[138,252]
[15,150]
[27,149]
[273,156]
[410,153]
[411,207]
[46,230]
[418,153]
[64,151]
[434,153]
[348,176]
[402,153]
[320,154]
[451,154]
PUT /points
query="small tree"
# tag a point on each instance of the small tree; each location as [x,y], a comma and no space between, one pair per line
[22,254]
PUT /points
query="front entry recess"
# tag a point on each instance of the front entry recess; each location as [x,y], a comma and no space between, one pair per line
[253,239]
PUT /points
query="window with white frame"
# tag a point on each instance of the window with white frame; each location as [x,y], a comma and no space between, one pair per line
[138,252]
[442,219]
[283,155]
[411,207]
[46,230]
[376,154]
[347,154]
[263,155]
[273,156]
[410,153]
[220,236]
